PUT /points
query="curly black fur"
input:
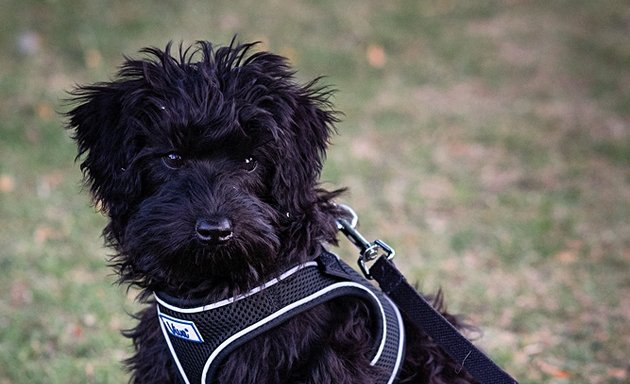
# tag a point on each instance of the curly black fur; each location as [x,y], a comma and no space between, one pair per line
[227,140]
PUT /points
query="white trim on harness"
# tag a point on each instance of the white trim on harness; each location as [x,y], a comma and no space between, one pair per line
[231,300]
[170,347]
[296,304]
[401,341]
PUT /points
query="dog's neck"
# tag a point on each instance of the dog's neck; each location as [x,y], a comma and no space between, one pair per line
[241,280]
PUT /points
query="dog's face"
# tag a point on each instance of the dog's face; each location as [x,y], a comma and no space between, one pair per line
[207,169]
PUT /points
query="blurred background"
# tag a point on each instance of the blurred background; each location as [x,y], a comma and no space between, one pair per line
[487,141]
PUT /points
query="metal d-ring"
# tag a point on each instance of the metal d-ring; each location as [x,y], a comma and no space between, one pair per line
[368,251]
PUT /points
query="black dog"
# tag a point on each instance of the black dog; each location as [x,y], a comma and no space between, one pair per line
[207,165]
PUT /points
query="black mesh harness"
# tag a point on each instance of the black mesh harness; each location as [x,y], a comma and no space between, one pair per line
[200,336]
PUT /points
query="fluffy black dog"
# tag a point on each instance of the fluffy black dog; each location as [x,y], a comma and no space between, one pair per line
[206,164]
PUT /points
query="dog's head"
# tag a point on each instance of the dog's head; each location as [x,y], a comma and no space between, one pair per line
[206,164]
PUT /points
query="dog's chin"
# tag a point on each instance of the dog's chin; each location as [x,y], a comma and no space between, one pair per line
[235,260]
[199,269]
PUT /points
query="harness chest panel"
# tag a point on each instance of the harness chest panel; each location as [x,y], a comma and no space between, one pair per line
[201,336]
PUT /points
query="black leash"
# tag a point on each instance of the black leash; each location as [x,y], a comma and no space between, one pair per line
[417,309]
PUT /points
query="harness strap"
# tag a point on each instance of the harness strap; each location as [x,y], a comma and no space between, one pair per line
[426,318]
[200,336]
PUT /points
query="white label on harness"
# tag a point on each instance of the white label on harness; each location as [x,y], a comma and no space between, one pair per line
[183,329]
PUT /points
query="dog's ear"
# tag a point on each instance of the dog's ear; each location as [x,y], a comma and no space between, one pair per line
[306,129]
[303,121]
[104,144]
[311,125]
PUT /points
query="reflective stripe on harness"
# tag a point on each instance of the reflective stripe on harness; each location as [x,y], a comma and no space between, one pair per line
[201,336]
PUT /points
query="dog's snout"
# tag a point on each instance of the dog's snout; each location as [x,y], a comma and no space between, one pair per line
[214,230]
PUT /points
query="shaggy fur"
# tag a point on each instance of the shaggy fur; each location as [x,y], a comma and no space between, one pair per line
[206,164]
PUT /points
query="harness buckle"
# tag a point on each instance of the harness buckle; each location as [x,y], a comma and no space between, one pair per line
[368,251]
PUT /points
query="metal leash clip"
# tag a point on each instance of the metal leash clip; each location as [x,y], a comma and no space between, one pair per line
[367,251]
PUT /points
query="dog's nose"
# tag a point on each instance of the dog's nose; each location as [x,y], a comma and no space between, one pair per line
[215,231]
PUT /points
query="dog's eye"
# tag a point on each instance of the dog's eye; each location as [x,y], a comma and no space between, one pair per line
[173,160]
[250,164]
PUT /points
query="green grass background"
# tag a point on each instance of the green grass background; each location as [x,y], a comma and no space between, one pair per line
[488,141]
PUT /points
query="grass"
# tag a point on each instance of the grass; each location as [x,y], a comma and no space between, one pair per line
[487,141]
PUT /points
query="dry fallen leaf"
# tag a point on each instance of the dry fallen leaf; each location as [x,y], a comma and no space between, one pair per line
[566,256]
[92,58]
[376,56]
[552,370]
[7,183]
[45,111]
[43,233]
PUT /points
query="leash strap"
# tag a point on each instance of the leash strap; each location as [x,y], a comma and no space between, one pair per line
[422,314]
